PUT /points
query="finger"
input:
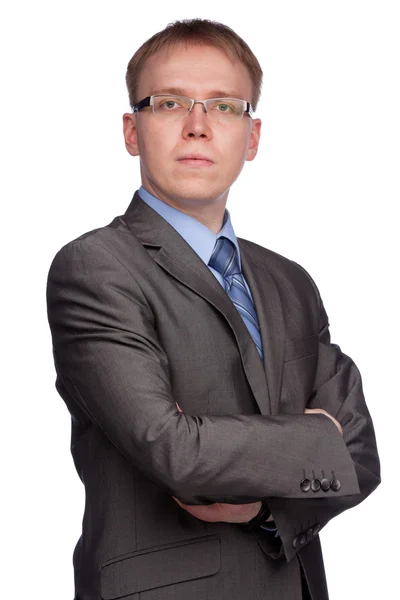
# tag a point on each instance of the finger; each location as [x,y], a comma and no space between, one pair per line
[179,502]
[210,513]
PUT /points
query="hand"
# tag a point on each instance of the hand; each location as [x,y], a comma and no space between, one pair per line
[222,512]
[323,412]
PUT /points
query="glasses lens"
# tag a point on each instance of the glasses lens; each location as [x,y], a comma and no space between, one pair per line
[171,105]
[225,108]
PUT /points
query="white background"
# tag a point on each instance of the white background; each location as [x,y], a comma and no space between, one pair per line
[323,190]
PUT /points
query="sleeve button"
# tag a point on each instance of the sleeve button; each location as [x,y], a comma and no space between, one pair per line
[305,485]
[335,485]
[325,484]
[316,529]
[315,485]
[296,542]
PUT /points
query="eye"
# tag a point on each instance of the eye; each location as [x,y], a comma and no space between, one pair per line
[223,107]
[169,104]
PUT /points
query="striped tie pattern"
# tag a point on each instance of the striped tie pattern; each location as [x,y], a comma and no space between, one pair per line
[224,260]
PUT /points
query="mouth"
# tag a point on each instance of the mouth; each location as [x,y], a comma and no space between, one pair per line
[195,160]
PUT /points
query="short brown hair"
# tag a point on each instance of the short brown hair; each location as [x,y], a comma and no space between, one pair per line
[201,31]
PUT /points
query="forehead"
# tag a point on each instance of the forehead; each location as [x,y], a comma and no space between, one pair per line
[197,70]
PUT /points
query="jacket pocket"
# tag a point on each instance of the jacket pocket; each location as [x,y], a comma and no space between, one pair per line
[159,566]
[301,348]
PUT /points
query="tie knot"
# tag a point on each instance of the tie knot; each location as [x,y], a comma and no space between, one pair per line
[224,257]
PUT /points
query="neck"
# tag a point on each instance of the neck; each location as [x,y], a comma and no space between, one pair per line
[209,212]
[210,216]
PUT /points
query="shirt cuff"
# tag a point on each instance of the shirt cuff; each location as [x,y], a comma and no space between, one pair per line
[271,527]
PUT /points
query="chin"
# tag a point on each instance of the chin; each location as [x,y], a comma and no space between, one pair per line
[199,190]
[199,196]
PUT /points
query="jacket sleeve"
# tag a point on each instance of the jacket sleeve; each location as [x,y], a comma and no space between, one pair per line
[338,390]
[109,359]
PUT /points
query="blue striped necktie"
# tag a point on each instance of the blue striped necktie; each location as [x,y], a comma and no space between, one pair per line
[224,260]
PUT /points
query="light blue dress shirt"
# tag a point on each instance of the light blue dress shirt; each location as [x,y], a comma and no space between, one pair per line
[201,239]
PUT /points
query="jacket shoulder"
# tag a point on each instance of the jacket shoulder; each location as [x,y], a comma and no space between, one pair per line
[105,237]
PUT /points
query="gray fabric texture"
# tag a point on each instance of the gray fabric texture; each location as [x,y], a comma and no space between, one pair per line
[139,323]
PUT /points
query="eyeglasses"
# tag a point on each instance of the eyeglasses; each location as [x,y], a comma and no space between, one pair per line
[217,109]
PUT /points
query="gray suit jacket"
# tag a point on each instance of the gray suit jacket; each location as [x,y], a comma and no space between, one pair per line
[139,323]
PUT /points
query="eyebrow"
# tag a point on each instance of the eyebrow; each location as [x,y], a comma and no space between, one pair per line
[175,91]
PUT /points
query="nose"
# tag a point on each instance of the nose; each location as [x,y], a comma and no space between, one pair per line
[197,123]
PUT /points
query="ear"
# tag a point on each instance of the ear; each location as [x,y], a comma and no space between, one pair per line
[130,133]
[254,139]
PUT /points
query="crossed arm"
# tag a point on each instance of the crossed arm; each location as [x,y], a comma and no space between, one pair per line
[110,360]
[237,513]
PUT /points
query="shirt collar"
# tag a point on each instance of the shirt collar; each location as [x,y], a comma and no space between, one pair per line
[201,239]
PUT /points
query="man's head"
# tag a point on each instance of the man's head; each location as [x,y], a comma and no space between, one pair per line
[198,59]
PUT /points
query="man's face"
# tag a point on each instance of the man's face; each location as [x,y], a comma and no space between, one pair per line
[199,72]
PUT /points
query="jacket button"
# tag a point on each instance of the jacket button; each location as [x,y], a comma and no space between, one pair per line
[303,539]
[305,485]
[325,484]
[315,485]
[296,542]
[309,534]
[335,485]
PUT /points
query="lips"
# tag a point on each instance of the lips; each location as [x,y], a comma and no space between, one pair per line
[195,160]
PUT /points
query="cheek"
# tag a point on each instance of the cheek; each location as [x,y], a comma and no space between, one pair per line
[235,151]
[155,145]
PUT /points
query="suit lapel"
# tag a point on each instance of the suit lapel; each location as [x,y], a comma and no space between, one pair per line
[270,317]
[175,256]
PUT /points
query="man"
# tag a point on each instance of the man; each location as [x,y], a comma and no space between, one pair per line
[215,427]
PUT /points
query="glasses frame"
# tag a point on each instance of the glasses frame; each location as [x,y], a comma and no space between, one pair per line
[149,101]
